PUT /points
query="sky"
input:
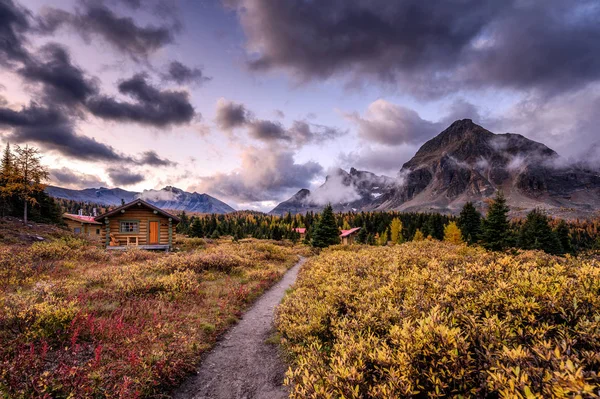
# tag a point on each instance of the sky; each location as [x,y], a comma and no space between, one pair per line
[252,100]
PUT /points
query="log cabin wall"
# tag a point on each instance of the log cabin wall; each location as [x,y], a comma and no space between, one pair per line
[142,216]
[94,231]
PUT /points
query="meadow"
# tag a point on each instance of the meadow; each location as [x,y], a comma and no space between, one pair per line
[77,321]
[431,319]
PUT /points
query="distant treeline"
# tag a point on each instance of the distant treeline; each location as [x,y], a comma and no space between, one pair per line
[495,232]
[259,225]
[73,207]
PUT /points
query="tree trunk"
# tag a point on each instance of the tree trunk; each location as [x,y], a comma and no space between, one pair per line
[25,213]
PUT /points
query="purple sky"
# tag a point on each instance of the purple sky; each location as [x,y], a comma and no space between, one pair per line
[251,100]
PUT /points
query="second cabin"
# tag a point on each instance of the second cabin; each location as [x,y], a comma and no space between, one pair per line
[140,224]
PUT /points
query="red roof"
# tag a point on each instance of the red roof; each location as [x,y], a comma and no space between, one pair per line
[301,230]
[80,218]
[346,233]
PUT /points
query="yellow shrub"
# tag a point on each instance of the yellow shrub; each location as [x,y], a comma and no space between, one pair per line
[430,319]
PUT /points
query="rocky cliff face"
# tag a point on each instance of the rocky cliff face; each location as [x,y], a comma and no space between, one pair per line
[167,198]
[466,162]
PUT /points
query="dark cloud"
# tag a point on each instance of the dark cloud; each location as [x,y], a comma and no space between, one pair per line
[153,107]
[68,178]
[14,23]
[123,33]
[51,129]
[391,124]
[182,74]
[267,131]
[230,115]
[62,81]
[124,177]
[151,158]
[265,174]
[303,133]
[429,48]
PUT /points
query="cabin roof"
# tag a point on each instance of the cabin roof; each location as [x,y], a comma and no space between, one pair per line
[134,203]
[346,233]
[80,218]
[300,230]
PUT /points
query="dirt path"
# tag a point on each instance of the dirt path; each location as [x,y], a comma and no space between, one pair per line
[242,365]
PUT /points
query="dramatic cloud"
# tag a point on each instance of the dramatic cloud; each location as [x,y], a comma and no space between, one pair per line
[124,177]
[428,48]
[123,33]
[231,115]
[151,158]
[387,123]
[182,74]
[304,133]
[267,131]
[67,178]
[569,124]
[264,175]
[51,129]
[153,107]
[14,22]
[62,81]
[386,160]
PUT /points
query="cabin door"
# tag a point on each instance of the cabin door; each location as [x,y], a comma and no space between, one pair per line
[153,233]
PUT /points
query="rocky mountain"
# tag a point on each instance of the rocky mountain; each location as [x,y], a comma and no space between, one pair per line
[469,163]
[167,198]
[345,191]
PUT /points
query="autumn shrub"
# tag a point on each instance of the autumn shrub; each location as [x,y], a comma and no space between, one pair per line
[77,321]
[431,319]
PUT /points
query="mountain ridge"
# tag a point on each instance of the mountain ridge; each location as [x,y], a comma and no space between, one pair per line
[467,162]
[168,197]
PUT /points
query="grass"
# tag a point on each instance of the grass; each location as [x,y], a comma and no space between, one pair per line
[431,319]
[78,321]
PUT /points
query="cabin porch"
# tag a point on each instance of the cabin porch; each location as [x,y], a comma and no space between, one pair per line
[152,247]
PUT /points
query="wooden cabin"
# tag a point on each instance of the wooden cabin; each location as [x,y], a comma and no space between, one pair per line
[84,225]
[139,224]
[349,236]
[301,231]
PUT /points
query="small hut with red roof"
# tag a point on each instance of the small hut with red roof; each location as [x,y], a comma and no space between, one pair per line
[348,236]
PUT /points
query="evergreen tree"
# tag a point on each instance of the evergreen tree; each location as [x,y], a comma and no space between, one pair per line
[469,223]
[184,224]
[196,229]
[215,234]
[7,161]
[562,232]
[371,239]
[362,235]
[496,227]
[537,234]
[326,231]
[452,233]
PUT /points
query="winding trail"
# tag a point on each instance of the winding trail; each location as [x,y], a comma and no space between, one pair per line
[243,365]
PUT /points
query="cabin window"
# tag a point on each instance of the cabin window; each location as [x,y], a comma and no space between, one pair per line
[97,231]
[77,230]
[130,227]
